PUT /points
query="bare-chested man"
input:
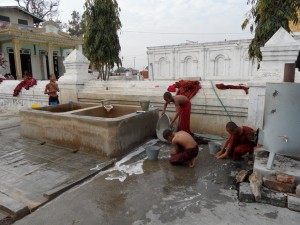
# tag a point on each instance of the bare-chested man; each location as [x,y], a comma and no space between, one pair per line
[183,110]
[51,89]
[185,147]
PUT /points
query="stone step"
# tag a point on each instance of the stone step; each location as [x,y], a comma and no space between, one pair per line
[13,207]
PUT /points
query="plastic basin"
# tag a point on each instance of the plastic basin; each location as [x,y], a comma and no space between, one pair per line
[162,124]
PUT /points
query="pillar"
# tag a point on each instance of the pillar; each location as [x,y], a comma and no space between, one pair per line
[50,58]
[16,44]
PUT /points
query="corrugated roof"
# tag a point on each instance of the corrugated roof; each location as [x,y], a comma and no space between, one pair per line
[36,19]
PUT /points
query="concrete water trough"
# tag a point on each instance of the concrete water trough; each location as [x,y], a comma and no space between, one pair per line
[65,107]
[91,128]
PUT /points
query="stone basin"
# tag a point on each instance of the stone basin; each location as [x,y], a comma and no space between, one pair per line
[91,129]
[116,111]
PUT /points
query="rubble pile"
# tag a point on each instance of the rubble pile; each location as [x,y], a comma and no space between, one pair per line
[279,189]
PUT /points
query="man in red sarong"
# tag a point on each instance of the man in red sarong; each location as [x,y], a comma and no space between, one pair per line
[183,110]
[185,147]
[240,142]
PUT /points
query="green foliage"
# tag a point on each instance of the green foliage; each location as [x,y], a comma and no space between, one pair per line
[76,25]
[101,40]
[120,70]
[265,17]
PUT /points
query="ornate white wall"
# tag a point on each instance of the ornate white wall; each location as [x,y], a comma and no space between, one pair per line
[226,60]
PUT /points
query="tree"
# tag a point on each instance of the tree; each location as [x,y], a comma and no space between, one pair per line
[265,17]
[101,40]
[120,70]
[76,25]
[44,9]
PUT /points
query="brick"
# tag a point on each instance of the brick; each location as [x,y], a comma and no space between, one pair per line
[298,190]
[240,177]
[273,198]
[272,183]
[294,203]
[245,193]
[256,183]
[285,178]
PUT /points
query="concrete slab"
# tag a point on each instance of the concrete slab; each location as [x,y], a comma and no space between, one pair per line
[281,164]
[9,119]
[13,207]
[29,169]
[139,191]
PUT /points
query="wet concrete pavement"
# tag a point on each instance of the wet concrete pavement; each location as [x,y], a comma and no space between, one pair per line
[33,172]
[138,191]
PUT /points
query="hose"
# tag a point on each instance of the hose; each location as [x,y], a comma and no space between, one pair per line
[220,100]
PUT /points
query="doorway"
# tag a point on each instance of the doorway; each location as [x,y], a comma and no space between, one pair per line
[26,63]
[25,57]
[12,65]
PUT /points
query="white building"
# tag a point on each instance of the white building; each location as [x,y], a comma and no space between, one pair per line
[225,60]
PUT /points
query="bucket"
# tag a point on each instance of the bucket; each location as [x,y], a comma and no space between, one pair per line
[145,105]
[152,152]
[214,147]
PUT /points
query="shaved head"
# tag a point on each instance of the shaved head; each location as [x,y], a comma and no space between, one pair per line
[168,95]
[231,126]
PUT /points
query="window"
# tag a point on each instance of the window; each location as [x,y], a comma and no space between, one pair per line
[10,50]
[4,18]
[43,52]
[23,22]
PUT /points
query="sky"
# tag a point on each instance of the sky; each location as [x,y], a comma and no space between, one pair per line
[148,23]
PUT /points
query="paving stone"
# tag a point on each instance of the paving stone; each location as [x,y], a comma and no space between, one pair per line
[273,198]
[298,190]
[294,203]
[272,183]
[245,193]
[285,178]
[15,208]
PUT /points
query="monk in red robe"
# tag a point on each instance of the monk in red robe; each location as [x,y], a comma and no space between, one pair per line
[240,142]
[185,147]
[183,110]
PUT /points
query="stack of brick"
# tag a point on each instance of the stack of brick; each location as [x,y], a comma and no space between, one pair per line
[278,190]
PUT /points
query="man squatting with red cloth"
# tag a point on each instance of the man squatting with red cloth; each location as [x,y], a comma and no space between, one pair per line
[240,142]
[185,147]
[183,110]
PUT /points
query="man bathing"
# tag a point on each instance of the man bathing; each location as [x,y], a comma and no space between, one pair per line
[185,147]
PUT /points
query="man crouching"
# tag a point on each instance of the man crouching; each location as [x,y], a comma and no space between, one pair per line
[185,147]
